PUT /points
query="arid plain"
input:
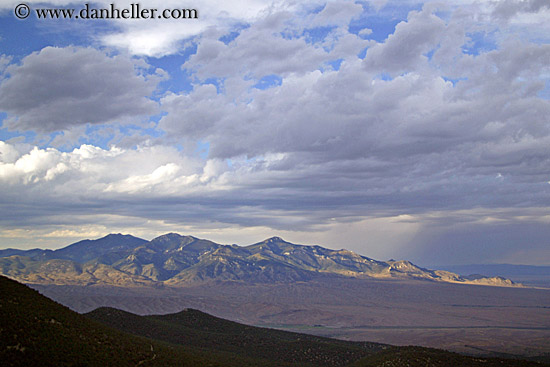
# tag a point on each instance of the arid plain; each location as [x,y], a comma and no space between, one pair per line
[463,318]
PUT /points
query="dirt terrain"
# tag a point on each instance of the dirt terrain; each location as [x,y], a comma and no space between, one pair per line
[464,318]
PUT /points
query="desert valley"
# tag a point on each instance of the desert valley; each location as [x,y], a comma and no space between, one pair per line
[306,289]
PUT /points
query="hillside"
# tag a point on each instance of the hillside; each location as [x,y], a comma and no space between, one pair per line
[194,328]
[176,260]
[36,331]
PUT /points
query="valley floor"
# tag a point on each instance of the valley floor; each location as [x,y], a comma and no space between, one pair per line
[483,341]
[464,318]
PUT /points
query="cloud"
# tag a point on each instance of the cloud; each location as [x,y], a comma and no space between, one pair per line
[57,88]
[433,125]
[164,37]
[507,9]
[405,49]
[496,237]
[4,62]
[277,44]
[352,114]
[441,134]
[161,37]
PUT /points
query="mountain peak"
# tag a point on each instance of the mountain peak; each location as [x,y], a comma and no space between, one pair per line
[117,235]
[173,235]
[169,235]
[275,239]
[177,259]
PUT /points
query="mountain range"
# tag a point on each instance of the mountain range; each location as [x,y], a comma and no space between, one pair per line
[176,260]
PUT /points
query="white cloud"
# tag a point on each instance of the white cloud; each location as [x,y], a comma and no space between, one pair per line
[159,37]
[92,167]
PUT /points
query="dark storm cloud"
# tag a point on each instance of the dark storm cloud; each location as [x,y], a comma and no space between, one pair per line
[515,242]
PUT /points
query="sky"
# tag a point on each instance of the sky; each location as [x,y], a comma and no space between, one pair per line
[395,129]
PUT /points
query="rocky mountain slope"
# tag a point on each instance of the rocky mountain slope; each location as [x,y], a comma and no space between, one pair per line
[175,260]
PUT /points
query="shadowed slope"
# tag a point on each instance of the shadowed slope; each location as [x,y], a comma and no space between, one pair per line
[194,328]
[198,329]
[36,331]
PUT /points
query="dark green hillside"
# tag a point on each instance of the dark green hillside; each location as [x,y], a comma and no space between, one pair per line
[36,331]
[197,329]
[428,357]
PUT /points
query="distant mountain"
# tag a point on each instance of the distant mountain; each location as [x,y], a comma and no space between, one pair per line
[177,260]
[528,274]
[81,251]
[30,253]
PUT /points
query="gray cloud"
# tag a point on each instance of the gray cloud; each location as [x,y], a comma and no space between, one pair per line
[348,143]
[404,49]
[507,9]
[57,88]
[330,147]
[276,45]
[515,242]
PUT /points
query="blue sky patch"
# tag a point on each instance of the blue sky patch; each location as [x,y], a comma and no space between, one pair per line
[479,42]
[269,81]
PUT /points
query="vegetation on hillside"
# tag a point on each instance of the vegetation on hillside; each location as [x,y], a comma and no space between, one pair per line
[36,331]
[194,328]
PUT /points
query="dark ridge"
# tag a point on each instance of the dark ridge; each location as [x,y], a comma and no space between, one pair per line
[198,329]
[36,331]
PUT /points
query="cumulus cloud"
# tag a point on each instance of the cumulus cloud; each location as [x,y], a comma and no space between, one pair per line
[57,88]
[277,44]
[405,49]
[424,129]
[452,132]
[507,9]
[100,166]
[351,114]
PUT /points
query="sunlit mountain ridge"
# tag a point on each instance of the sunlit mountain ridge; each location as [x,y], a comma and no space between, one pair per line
[176,260]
